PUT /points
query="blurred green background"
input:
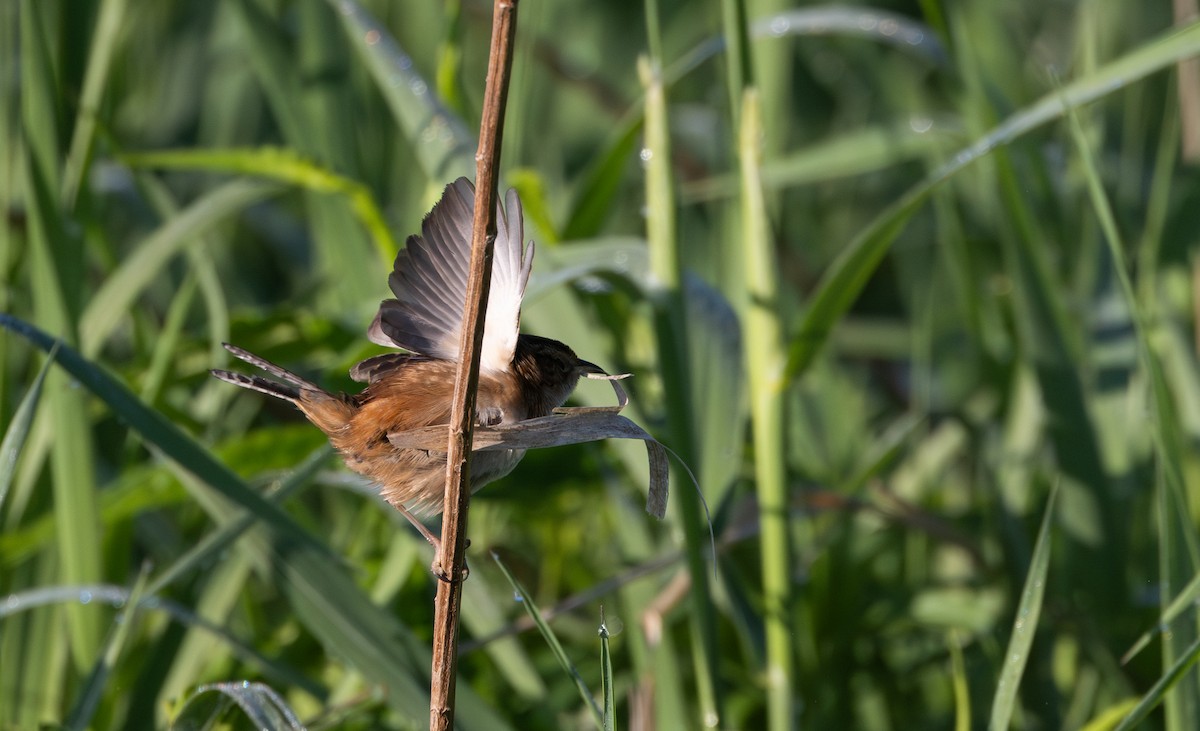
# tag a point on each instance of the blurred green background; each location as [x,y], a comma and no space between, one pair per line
[906,287]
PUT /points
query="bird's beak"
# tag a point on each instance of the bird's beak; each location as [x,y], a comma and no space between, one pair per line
[588,367]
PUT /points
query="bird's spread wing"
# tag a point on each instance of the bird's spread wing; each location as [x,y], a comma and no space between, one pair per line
[429,280]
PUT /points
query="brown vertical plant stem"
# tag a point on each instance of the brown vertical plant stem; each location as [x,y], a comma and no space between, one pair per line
[451,555]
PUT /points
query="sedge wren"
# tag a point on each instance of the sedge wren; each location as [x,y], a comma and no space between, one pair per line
[520,376]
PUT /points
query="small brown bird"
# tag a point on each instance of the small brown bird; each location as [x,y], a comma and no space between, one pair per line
[520,376]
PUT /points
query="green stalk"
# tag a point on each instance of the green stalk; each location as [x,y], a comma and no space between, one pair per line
[671,336]
[56,263]
[109,22]
[765,358]
[738,65]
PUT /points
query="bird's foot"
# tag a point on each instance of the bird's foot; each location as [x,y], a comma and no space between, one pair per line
[436,566]
[445,576]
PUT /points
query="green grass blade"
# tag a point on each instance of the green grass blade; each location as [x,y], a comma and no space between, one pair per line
[202,266]
[1024,625]
[1184,601]
[719,393]
[442,143]
[224,536]
[38,88]
[109,23]
[155,428]
[551,639]
[55,267]
[111,304]
[855,152]
[846,277]
[323,596]
[593,198]
[169,340]
[1178,540]
[739,66]
[121,597]
[958,679]
[18,428]
[284,166]
[606,679]
[82,713]
[482,616]
[844,280]
[1158,691]
[207,708]
[1108,719]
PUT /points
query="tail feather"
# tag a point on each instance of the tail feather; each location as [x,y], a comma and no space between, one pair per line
[331,413]
[260,384]
[269,367]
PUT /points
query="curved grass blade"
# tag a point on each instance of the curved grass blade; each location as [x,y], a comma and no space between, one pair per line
[224,536]
[111,304]
[122,597]
[848,274]
[1155,695]
[93,688]
[1024,625]
[844,155]
[1177,539]
[284,166]
[440,140]
[872,23]
[551,639]
[845,278]
[265,708]
[158,431]
[18,428]
[1184,601]
[110,21]
[141,489]
[601,181]
[622,256]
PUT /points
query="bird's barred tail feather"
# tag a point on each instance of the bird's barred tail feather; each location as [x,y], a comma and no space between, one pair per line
[289,391]
[260,384]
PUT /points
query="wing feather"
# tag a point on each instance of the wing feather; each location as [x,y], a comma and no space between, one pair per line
[429,281]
